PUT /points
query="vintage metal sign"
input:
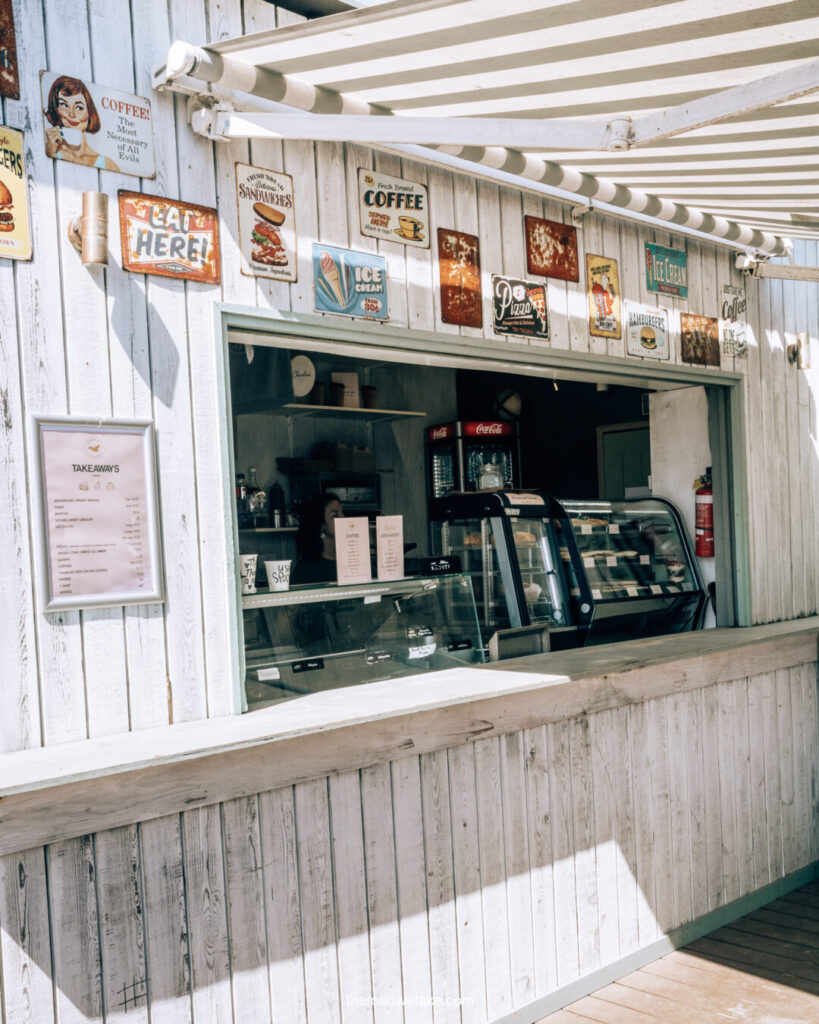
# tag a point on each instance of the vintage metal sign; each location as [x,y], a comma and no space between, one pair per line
[394,209]
[603,289]
[666,270]
[551,249]
[699,339]
[97,126]
[647,331]
[460,268]
[169,237]
[267,223]
[732,324]
[350,283]
[9,79]
[519,307]
[15,234]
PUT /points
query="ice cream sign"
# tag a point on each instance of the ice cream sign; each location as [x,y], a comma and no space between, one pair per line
[169,237]
[350,283]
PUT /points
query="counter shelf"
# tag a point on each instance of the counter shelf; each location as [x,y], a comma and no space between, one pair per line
[313,638]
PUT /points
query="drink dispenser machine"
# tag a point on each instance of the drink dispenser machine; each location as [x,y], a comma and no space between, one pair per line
[457,453]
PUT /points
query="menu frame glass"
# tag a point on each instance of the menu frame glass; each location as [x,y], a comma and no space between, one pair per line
[118,595]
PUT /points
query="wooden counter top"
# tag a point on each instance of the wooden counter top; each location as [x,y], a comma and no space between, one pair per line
[71,789]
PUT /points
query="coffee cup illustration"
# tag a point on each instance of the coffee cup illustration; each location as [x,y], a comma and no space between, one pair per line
[410,228]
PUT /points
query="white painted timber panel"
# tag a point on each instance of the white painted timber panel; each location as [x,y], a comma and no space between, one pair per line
[399,896]
[410,874]
[277,823]
[317,902]
[26,991]
[207,915]
[466,867]
[354,971]
[541,861]
[75,931]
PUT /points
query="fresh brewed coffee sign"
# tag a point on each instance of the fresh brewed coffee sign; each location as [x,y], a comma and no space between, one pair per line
[393,209]
[519,307]
[169,237]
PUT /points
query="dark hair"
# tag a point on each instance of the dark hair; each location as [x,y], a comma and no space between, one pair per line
[71,86]
[311,519]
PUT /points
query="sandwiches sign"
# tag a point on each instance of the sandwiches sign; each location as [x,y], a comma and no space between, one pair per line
[15,236]
[267,223]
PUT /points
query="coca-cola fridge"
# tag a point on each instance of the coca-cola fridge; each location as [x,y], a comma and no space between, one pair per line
[458,452]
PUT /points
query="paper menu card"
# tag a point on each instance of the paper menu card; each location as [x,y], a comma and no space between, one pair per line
[100,536]
[353,550]
[389,533]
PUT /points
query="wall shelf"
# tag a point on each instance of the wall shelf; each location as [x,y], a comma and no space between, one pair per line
[268,529]
[296,409]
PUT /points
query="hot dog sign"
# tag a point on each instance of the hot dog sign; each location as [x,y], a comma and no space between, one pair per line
[393,209]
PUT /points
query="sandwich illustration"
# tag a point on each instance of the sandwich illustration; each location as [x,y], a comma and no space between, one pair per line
[6,204]
[648,339]
[267,245]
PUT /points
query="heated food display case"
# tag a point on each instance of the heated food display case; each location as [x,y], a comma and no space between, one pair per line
[313,638]
[521,554]
[591,571]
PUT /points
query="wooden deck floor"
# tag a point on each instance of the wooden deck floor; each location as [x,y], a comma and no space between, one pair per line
[761,969]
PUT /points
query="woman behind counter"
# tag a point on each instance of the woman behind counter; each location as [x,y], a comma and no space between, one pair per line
[316,540]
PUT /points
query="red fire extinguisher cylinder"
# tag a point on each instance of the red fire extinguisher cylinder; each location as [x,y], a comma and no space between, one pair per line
[704,518]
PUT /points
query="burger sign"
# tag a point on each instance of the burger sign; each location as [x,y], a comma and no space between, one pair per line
[647,331]
[267,224]
[15,238]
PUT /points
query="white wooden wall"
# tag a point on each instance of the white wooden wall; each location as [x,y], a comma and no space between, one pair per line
[103,342]
[454,886]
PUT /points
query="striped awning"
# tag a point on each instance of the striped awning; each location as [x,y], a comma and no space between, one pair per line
[702,113]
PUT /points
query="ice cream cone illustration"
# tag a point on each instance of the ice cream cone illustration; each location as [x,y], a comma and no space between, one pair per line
[330,271]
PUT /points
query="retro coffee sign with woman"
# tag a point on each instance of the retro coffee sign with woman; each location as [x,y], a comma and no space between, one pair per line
[93,125]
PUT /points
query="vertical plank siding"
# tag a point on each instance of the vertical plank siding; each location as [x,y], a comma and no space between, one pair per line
[102,342]
[459,885]
[456,886]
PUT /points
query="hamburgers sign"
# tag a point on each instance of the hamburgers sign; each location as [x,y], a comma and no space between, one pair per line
[267,223]
[15,237]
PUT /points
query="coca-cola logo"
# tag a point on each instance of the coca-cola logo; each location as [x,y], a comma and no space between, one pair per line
[438,433]
[488,428]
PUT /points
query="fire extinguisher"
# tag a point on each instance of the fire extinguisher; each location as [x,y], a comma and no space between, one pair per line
[704,516]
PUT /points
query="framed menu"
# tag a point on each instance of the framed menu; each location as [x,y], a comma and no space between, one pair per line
[98,512]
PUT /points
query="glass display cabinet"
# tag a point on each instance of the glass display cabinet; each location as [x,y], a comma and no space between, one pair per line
[592,571]
[313,638]
[640,568]
[523,559]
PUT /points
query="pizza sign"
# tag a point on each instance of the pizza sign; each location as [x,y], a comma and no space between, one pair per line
[169,238]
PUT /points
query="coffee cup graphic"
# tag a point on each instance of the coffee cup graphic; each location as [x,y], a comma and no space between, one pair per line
[410,228]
